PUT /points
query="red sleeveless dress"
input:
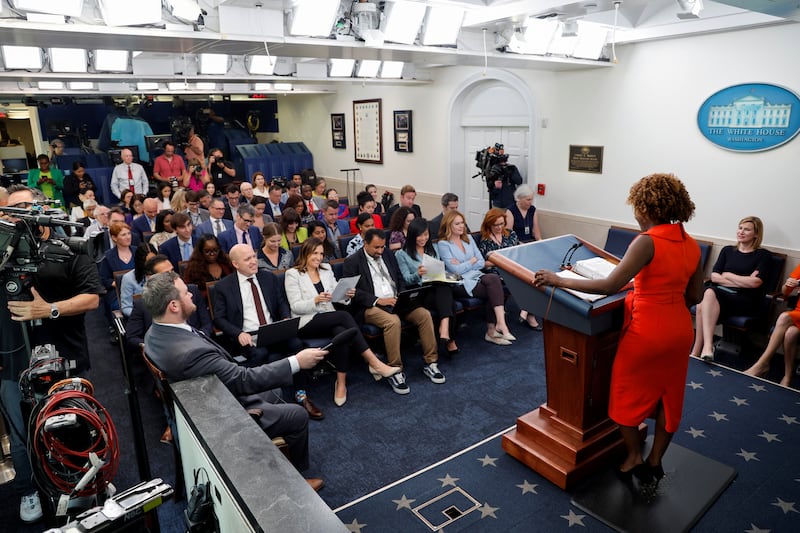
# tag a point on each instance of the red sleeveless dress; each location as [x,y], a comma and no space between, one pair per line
[657,334]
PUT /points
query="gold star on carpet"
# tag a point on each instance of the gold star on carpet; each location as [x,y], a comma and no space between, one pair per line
[488,461]
[786,507]
[448,480]
[528,487]
[574,519]
[354,526]
[769,436]
[748,456]
[719,417]
[487,510]
[403,503]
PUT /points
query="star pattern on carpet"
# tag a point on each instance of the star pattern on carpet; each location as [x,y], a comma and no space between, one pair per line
[403,503]
[786,507]
[770,437]
[714,373]
[755,529]
[448,480]
[748,456]
[574,519]
[354,526]
[694,385]
[487,510]
[719,417]
[696,432]
[528,487]
[758,388]
[788,419]
[739,401]
[488,461]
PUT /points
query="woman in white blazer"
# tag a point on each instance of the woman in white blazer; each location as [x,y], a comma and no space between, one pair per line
[309,289]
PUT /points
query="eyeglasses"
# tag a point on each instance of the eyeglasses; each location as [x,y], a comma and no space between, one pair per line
[211,251]
[247,220]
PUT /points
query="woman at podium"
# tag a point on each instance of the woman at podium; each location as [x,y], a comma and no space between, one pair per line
[649,373]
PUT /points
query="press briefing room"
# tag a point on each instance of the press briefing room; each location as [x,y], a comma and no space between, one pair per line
[399,265]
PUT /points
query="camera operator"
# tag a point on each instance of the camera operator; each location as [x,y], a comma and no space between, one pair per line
[62,293]
[222,172]
[502,181]
[170,168]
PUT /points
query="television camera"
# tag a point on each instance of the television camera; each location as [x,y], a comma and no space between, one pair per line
[24,249]
[486,160]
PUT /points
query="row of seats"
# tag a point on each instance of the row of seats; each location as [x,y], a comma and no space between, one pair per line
[274,159]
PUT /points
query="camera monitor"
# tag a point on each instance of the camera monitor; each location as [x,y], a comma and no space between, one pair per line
[156,142]
[115,154]
[15,165]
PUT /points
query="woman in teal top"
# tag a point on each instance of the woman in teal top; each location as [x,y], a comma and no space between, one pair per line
[47,179]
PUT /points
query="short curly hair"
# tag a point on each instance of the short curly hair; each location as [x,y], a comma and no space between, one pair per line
[662,198]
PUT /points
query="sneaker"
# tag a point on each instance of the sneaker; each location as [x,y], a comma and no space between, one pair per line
[30,508]
[432,371]
[398,383]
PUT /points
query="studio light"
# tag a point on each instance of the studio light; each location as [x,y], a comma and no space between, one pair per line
[261,65]
[205,86]
[213,63]
[51,85]
[22,57]
[442,25]
[539,35]
[591,40]
[341,68]
[81,85]
[146,86]
[177,86]
[368,68]
[111,60]
[68,60]
[392,69]
[313,18]
[118,13]
[68,8]
[402,21]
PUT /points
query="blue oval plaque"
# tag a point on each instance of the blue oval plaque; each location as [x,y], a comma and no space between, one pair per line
[751,117]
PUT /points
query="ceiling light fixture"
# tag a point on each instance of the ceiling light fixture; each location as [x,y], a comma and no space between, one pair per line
[392,69]
[313,18]
[442,25]
[22,57]
[341,68]
[401,21]
[111,60]
[368,68]
[214,63]
[146,86]
[81,85]
[205,86]
[261,65]
[68,60]
[51,85]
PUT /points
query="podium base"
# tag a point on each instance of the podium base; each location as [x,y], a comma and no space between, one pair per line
[562,454]
[690,487]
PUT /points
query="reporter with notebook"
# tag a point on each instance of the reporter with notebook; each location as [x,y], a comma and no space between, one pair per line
[248,299]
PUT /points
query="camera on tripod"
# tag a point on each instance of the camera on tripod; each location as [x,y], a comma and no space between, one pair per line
[487,159]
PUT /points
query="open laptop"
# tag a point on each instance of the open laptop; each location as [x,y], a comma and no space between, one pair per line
[277,332]
[410,299]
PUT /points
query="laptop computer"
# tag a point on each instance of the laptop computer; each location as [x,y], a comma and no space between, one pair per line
[410,299]
[276,332]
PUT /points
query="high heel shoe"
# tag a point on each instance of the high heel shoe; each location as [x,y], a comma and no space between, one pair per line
[639,471]
[377,375]
[338,400]
[443,342]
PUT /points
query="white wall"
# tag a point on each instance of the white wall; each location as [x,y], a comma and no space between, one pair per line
[643,111]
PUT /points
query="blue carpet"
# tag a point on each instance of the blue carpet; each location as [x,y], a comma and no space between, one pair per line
[749,424]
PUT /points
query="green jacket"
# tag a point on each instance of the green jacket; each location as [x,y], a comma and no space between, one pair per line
[51,191]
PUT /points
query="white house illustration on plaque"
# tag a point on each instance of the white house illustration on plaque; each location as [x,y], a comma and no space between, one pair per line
[750,111]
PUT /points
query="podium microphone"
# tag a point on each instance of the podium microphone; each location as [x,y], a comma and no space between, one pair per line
[569,259]
[572,249]
[342,338]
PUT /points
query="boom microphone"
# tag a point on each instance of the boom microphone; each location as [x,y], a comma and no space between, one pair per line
[342,338]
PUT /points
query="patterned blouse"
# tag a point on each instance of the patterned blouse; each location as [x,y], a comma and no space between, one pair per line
[489,245]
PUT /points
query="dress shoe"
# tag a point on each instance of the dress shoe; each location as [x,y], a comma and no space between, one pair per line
[313,411]
[338,400]
[537,327]
[379,375]
[496,340]
[315,483]
[507,335]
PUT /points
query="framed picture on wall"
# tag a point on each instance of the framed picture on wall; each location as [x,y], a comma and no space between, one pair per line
[337,130]
[367,128]
[402,131]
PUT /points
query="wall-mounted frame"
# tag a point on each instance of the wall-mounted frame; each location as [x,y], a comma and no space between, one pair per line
[367,129]
[402,131]
[585,159]
[337,130]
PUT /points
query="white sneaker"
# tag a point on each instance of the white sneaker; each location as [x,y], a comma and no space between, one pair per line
[30,508]
[433,373]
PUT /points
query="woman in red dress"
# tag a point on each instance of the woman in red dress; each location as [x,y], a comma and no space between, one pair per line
[649,373]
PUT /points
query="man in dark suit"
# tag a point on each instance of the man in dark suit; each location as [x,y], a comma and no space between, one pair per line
[407,196]
[232,201]
[183,353]
[147,222]
[334,226]
[197,214]
[180,247]
[376,296]
[274,205]
[216,223]
[248,299]
[243,231]
[449,203]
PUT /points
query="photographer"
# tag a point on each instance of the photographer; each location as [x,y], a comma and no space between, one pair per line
[169,167]
[222,172]
[502,181]
[197,177]
[65,286]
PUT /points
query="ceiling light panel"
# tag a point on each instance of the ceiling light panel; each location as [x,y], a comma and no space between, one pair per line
[118,13]
[262,65]
[368,68]
[213,63]
[313,18]
[80,85]
[51,85]
[442,25]
[341,68]
[22,57]
[402,21]
[146,86]
[111,60]
[205,86]
[177,86]
[539,34]
[392,69]
[68,59]
[591,40]
[69,8]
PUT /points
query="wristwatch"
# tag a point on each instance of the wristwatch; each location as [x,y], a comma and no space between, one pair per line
[54,312]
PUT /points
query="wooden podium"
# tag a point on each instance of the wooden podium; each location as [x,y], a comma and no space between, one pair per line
[570,436]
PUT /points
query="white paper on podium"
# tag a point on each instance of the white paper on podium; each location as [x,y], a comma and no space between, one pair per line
[345,284]
[580,294]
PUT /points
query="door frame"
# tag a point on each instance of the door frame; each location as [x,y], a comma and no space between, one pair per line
[458,167]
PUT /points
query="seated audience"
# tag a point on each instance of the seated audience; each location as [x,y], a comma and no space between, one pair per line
[243,231]
[407,196]
[374,303]
[786,332]
[77,183]
[737,285]
[178,201]
[212,190]
[260,219]
[197,177]
[274,205]
[133,280]
[494,236]
[204,199]
[313,208]
[164,230]
[246,189]
[398,225]
[364,222]
[330,252]
[216,222]
[79,211]
[334,227]
[526,221]
[461,256]
[260,187]
[344,210]
[271,255]
[319,192]
[291,231]
[298,204]
[194,209]
[409,259]
[181,354]
[181,247]
[449,202]
[137,206]
[120,257]
[232,201]
[373,191]
[147,222]
[366,204]
[164,196]
[309,287]
[207,263]
[125,199]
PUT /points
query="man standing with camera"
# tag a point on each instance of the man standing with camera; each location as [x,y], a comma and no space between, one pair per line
[170,168]
[220,171]
[65,286]
[502,181]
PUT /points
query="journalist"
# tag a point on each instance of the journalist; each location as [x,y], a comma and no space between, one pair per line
[502,181]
